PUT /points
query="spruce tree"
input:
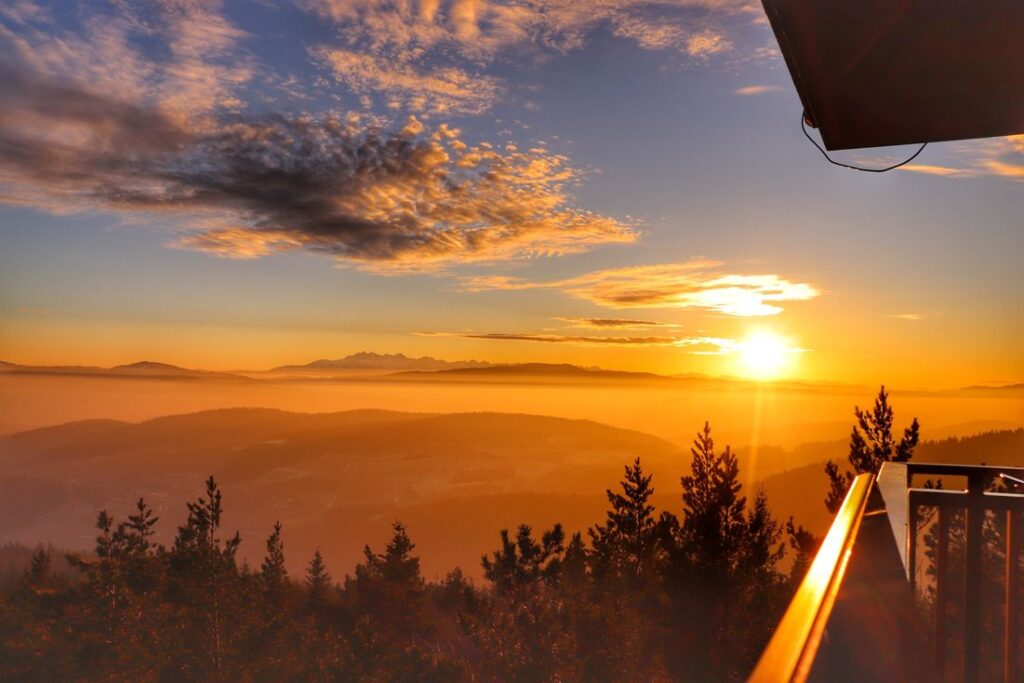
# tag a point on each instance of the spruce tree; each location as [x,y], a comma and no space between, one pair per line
[318,581]
[574,564]
[273,576]
[871,444]
[38,578]
[626,545]
[713,522]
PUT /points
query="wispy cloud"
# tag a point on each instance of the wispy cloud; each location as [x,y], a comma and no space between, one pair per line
[999,157]
[694,345]
[756,89]
[697,284]
[447,91]
[480,29]
[616,323]
[435,56]
[913,317]
[563,339]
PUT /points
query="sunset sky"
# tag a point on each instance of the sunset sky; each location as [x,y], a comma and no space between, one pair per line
[620,183]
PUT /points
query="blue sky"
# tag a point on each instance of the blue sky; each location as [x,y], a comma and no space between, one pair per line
[270,182]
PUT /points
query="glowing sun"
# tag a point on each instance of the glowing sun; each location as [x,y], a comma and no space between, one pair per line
[765,355]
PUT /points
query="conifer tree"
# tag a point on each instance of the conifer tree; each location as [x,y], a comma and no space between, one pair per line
[713,522]
[626,545]
[137,531]
[871,444]
[390,587]
[38,578]
[318,581]
[524,561]
[135,549]
[205,581]
[574,564]
[804,544]
[273,575]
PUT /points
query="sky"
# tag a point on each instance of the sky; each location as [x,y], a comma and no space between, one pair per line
[622,183]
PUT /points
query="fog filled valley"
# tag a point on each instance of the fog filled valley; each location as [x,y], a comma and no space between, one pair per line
[454,460]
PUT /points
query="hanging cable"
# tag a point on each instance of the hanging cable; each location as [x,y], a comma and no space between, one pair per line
[803,127]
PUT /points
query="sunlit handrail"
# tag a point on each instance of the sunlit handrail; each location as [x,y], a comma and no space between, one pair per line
[791,651]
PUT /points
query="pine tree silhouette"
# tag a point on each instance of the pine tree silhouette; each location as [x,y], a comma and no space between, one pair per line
[273,575]
[318,581]
[871,444]
[524,561]
[626,545]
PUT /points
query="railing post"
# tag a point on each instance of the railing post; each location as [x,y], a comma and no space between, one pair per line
[941,588]
[1014,529]
[912,520]
[972,577]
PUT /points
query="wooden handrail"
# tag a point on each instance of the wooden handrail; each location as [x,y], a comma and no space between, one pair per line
[791,651]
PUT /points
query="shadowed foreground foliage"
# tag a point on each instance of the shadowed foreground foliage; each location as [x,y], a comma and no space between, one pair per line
[638,597]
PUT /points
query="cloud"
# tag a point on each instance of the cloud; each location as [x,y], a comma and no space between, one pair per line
[1001,168]
[697,284]
[756,89]
[706,43]
[436,91]
[480,29]
[994,157]
[567,339]
[929,169]
[619,323]
[183,59]
[914,317]
[697,345]
[247,187]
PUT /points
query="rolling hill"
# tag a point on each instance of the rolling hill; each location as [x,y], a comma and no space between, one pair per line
[364,466]
[338,480]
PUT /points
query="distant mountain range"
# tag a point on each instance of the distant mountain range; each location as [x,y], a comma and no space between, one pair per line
[140,370]
[530,370]
[367,360]
[399,367]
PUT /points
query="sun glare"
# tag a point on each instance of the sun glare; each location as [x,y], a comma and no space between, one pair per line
[765,355]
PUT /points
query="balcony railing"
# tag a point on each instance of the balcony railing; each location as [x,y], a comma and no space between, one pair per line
[903,585]
[794,645]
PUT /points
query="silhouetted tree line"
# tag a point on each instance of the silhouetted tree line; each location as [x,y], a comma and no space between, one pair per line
[640,596]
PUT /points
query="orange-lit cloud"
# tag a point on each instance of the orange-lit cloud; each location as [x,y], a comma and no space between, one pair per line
[701,346]
[438,91]
[756,89]
[244,186]
[698,284]
[1000,157]
[478,29]
[616,323]
[563,339]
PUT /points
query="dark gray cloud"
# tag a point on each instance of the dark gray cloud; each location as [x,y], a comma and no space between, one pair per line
[244,187]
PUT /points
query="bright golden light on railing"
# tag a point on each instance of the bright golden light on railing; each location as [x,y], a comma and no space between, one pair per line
[791,650]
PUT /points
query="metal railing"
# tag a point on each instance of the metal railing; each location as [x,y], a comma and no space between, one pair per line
[966,529]
[793,647]
[910,508]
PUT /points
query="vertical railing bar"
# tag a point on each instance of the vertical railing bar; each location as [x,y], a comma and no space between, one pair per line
[972,578]
[912,544]
[941,588]
[1014,529]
